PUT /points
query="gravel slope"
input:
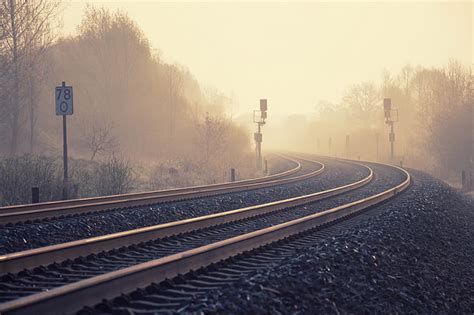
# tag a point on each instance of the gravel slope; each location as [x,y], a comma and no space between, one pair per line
[415,255]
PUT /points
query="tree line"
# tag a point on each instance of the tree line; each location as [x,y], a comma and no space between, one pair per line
[128,102]
[125,96]
[434,129]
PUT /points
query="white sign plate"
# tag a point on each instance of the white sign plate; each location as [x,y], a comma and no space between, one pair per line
[64,100]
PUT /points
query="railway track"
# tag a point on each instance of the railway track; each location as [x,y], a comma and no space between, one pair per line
[60,209]
[164,251]
[189,292]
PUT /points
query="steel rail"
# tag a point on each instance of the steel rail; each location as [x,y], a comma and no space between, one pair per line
[14,262]
[53,209]
[72,297]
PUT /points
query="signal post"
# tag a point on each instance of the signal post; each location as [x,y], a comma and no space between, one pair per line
[259,117]
[391,116]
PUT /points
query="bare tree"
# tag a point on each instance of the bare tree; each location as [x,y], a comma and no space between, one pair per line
[213,132]
[175,85]
[363,102]
[98,137]
[26,30]
[114,176]
[405,77]
[31,101]
[449,138]
[4,80]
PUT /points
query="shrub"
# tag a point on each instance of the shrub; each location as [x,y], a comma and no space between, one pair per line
[19,174]
[114,176]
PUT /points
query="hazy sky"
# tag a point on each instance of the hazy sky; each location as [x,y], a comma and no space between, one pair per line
[295,54]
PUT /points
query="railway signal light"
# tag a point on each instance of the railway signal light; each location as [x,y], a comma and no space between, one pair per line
[263,105]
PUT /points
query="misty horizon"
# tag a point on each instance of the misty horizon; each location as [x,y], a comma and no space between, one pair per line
[296,54]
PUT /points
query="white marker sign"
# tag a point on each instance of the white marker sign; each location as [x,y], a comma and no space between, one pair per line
[64,100]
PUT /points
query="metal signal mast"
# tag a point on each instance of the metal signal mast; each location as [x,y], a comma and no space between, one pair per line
[259,117]
[391,116]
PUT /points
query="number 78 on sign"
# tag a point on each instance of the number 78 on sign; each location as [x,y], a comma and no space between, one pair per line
[64,105]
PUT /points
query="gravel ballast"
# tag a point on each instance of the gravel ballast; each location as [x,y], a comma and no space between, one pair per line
[414,255]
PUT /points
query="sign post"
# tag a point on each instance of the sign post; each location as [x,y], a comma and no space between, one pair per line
[64,107]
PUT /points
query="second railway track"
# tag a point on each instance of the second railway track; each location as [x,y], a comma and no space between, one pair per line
[58,209]
[23,236]
[91,272]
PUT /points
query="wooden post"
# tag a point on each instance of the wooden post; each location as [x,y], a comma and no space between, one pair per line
[34,194]
[463,180]
[232,174]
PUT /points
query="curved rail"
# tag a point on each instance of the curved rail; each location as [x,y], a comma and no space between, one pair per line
[92,290]
[53,209]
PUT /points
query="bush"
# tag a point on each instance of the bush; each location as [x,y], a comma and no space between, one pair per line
[111,177]
[185,172]
[114,176]
[19,174]
[83,175]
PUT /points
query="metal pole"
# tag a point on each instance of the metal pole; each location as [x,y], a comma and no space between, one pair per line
[329,145]
[392,141]
[259,148]
[65,182]
[377,143]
